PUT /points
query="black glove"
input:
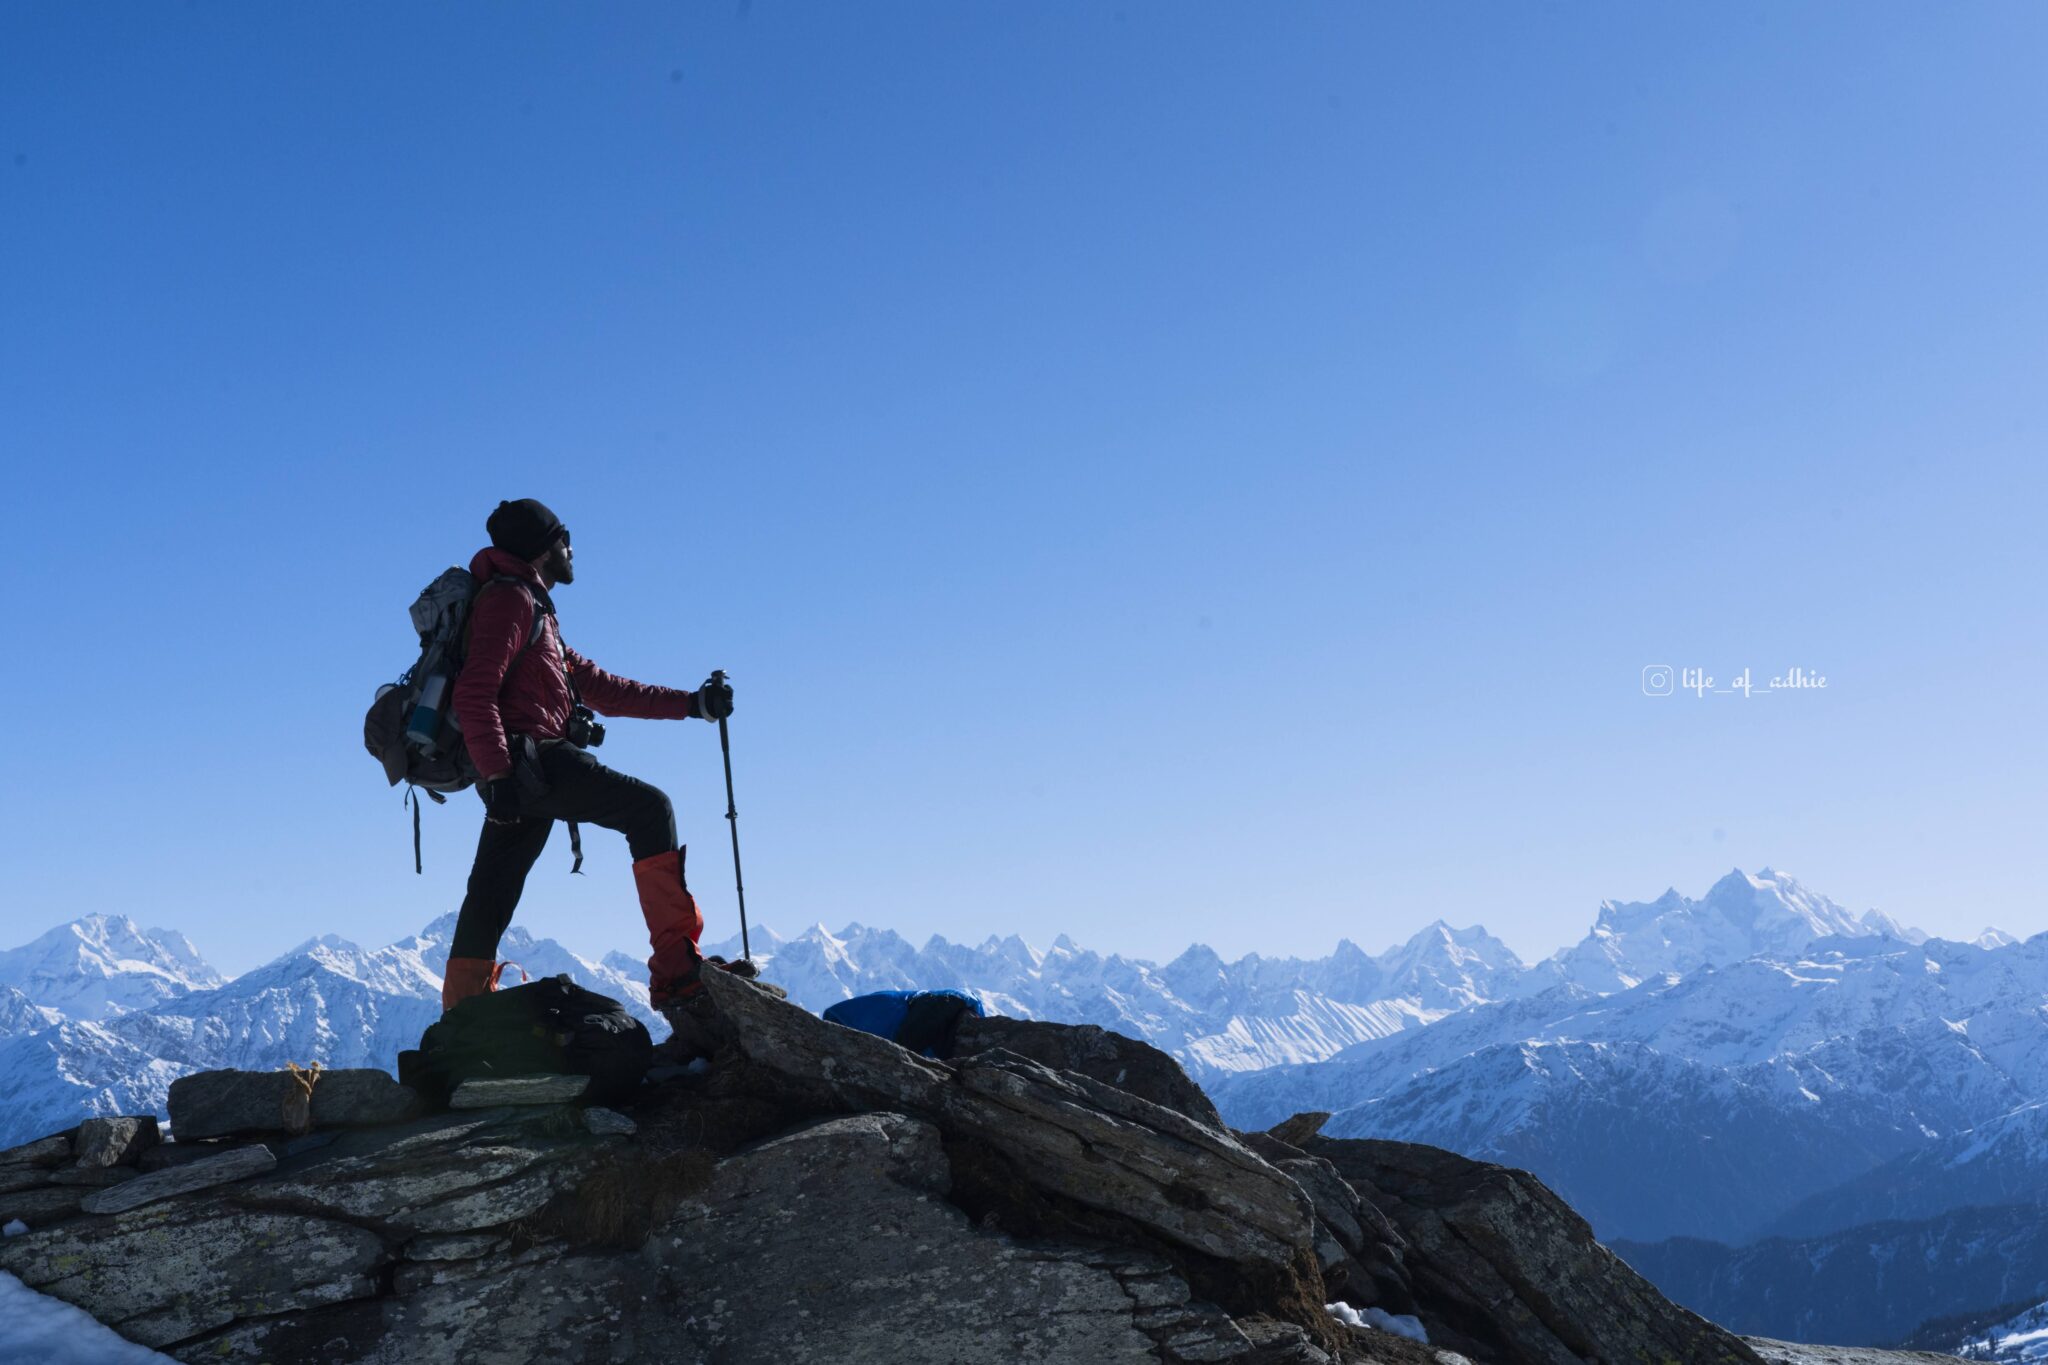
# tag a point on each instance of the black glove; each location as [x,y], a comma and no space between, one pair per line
[501,801]
[714,698]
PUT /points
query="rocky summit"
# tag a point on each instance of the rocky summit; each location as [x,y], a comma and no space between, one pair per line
[1049,1194]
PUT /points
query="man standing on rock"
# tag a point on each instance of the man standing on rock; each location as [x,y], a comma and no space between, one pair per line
[524,701]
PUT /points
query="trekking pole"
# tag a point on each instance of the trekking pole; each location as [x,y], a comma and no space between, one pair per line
[732,816]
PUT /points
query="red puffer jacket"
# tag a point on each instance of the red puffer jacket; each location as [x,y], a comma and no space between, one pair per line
[501,689]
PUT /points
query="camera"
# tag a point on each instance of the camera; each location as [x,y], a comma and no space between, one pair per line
[584,730]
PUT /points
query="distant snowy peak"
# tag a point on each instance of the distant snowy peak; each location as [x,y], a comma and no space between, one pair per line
[399,969]
[101,966]
[1742,915]
[1447,969]
[1876,923]
[19,1014]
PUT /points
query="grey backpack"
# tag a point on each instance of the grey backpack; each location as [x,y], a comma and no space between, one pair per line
[411,727]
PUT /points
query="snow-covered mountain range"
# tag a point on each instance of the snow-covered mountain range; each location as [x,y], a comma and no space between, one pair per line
[1760,1059]
[1800,1073]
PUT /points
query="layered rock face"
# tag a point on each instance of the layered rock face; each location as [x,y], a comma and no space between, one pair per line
[817,1194]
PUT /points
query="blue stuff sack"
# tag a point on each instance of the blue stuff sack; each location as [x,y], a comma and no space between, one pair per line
[923,1021]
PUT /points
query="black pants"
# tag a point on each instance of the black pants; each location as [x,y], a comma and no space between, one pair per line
[579,788]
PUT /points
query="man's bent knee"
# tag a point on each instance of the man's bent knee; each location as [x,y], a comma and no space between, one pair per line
[653,829]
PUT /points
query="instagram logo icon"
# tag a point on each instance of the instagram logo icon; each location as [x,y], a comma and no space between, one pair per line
[1657,680]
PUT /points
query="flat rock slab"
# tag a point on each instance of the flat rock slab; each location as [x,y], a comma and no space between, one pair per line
[13,1178]
[165,1274]
[50,1151]
[94,1177]
[927,1287]
[116,1141]
[483,1092]
[453,1173]
[540,1307]
[180,1153]
[193,1175]
[41,1206]
[221,1103]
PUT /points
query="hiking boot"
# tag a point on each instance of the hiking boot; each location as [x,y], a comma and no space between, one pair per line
[688,986]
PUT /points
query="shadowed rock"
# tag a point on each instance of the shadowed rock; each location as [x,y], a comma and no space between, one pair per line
[1503,1270]
[1126,1063]
[1072,1136]
[53,1150]
[93,1177]
[41,1205]
[608,1122]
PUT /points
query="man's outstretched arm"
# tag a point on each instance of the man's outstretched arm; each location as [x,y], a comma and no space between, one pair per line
[611,695]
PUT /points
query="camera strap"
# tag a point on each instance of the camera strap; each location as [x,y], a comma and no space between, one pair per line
[544,602]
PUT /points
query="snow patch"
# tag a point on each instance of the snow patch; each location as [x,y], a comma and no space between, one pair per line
[51,1332]
[1378,1320]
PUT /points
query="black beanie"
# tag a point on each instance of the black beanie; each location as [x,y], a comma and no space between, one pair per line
[525,528]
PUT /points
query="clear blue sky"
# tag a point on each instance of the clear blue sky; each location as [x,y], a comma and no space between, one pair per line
[1154,471]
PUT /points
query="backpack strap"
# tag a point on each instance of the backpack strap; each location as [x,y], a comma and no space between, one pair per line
[412,793]
[412,798]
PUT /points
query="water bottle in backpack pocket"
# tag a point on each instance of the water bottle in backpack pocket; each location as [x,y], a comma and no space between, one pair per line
[424,729]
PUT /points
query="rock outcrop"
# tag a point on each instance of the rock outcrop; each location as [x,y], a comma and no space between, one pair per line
[818,1194]
[1094,1052]
[1501,1268]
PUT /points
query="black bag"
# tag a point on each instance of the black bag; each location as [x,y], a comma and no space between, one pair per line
[550,1026]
